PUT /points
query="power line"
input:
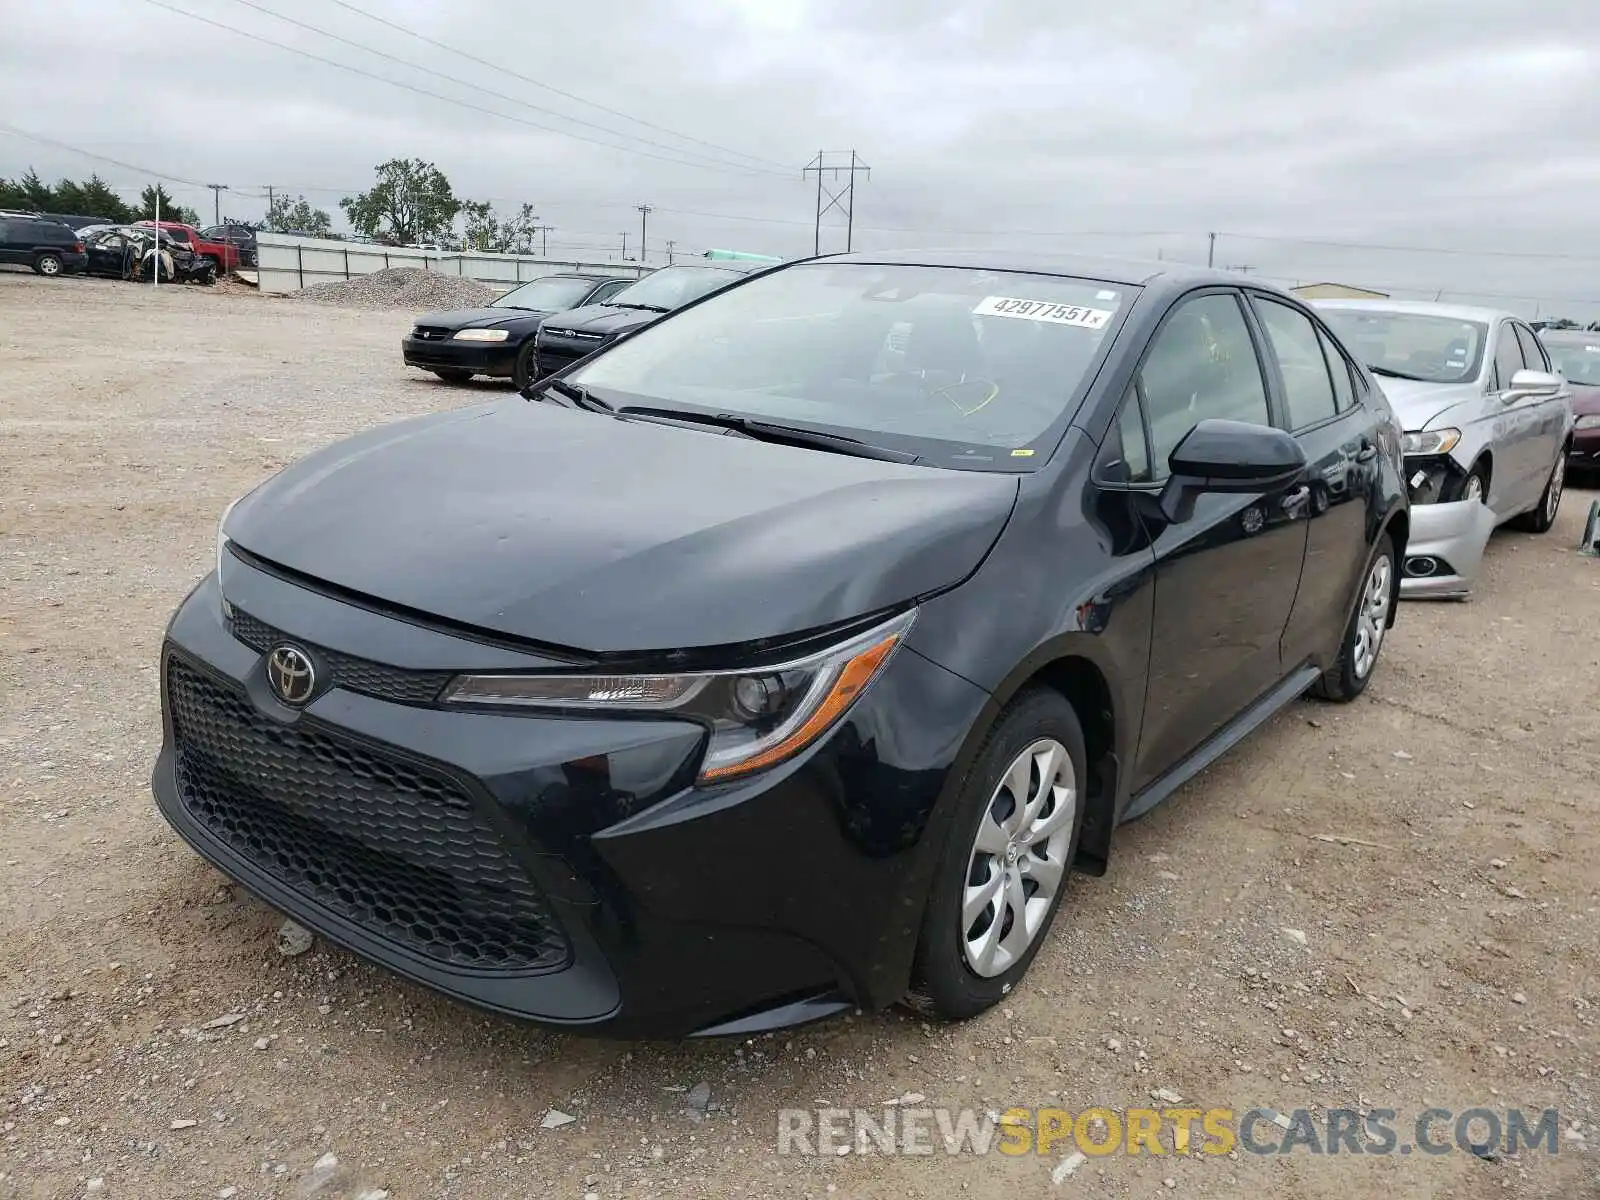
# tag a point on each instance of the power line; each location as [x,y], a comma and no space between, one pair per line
[438,95]
[44,141]
[261,8]
[483,62]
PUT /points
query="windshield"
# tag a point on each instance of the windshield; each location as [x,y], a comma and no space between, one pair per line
[553,293]
[965,368]
[1421,346]
[673,287]
[1578,361]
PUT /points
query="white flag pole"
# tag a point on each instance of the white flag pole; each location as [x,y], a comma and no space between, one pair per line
[155,263]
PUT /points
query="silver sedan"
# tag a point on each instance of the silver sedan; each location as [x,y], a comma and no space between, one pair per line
[1487,423]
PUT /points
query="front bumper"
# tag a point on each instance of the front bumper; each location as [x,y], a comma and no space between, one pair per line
[1445,549]
[560,869]
[557,354]
[1584,454]
[481,358]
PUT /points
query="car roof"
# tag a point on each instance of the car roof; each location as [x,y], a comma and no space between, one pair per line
[1427,308]
[1129,272]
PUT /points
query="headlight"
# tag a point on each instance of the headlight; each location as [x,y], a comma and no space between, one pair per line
[758,716]
[1587,421]
[1434,441]
[481,335]
[222,543]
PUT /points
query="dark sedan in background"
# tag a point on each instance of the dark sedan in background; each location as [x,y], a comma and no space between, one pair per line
[498,340]
[583,331]
[787,655]
[1576,354]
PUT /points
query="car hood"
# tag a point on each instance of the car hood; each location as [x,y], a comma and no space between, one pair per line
[1420,405]
[604,318]
[478,318]
[584,531]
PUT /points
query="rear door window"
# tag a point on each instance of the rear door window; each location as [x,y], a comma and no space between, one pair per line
[1307,387]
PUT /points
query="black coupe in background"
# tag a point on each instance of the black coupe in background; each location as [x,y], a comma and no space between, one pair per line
[498,341]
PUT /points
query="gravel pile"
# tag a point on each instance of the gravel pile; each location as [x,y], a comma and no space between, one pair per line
[401,287]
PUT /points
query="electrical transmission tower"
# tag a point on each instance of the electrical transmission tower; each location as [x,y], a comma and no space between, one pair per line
[841,197]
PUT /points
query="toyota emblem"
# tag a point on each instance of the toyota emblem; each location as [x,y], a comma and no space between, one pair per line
[291,675]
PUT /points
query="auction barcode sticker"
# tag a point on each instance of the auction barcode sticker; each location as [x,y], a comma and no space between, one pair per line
[1042,310]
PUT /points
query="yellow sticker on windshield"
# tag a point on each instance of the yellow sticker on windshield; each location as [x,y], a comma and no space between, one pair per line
[1022,454]
[1042,310]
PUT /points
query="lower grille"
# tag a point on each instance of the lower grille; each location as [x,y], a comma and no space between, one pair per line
[395,848]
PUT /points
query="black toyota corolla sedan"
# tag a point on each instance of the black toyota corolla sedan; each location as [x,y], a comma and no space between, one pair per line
[498,340]
[581,332]
[786,656]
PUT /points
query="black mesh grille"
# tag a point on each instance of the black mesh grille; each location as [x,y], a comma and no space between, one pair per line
[349,672]
[395,848]
[431,333]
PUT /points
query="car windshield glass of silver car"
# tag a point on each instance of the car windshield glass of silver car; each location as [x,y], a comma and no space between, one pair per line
[672,287]
[964,368]
[1578,362]
[1404,345]
[550,294]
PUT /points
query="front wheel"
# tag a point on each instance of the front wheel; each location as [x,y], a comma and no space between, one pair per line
[1005,866]
[1542,518]
[1363,637]
[48,265]
[525,368]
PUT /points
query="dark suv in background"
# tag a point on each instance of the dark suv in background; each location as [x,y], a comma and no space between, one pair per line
[49,247]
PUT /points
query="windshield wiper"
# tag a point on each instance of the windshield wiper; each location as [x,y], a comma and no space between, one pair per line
[1391,373]
[772,431]
[580,396]
[641,307]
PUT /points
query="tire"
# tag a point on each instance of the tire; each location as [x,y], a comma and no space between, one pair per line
[216,265]
[1477,476]
[1539,520]
[945,983]
[454,376]
[524,370]
[1362,642]
[47,264]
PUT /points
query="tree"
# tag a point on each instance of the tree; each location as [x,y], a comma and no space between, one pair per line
[171,210]
[297,216]
[484,229]
[411,202]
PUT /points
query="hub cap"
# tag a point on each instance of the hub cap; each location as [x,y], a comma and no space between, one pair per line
[1018,860]
[1372,617]
[1552,498]
[1474,488]
[49,266]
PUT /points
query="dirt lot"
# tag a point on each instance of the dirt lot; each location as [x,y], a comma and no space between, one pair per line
[1450,952]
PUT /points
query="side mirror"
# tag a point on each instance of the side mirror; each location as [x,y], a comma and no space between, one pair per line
[1228,456]
[1526,384]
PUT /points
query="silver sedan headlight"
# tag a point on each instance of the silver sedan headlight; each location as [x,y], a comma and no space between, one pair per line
[1432,441]
[758,717]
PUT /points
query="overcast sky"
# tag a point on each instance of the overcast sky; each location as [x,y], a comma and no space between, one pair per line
[1130,127]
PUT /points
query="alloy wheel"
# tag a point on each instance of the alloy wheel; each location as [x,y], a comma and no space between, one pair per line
[1372,617]
[1552,495]
[1474,488]
[1018,859]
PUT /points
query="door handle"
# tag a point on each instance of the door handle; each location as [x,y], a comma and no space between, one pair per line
[1368,451]
[1296,497]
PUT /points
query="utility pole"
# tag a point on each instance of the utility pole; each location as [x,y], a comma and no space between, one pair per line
[271,199]
[670,245]
[216,201]
[844,199]
[544,238]
[624,245]
[1211,250]
[644,215]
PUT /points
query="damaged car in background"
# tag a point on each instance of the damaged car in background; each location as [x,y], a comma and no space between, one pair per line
[129,252]
[1487,426]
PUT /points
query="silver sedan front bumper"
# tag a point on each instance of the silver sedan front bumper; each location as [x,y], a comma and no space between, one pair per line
[1445,549]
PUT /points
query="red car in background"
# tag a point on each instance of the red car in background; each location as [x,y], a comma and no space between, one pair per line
[227,257]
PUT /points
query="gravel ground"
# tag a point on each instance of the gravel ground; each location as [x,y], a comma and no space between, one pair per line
[155,1043]
[400,287]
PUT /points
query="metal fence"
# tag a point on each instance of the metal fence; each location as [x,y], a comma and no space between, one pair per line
[287,263]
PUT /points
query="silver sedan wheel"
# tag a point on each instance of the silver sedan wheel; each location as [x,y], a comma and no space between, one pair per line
[1372,617]
[1552,495]
[1018,861]
[1474,488]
